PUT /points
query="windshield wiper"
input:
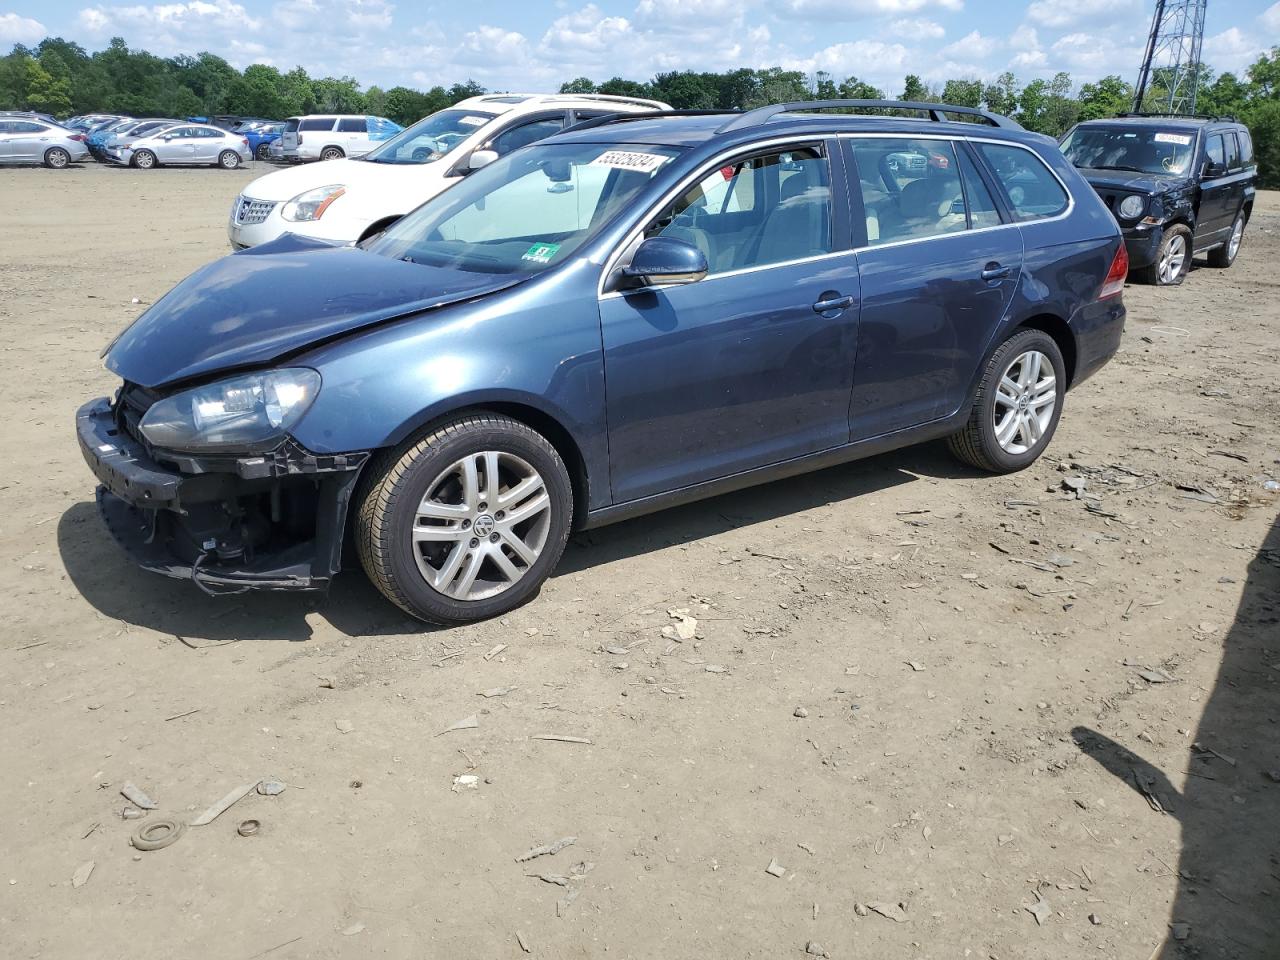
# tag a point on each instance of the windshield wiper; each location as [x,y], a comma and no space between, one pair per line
[1121,166]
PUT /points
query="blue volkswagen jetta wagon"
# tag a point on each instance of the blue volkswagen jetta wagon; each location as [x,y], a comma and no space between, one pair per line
[640,311]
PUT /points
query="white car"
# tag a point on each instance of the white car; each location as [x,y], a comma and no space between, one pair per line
[349,200]
[334,136]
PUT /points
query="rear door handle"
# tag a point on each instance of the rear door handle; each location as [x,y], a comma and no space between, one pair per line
[835,303]
[993,271]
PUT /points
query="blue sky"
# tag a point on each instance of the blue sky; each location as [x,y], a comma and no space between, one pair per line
[510,45]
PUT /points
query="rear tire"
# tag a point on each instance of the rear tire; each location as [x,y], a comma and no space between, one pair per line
[331,153]
[1225,255]
[263,152]
[228,159]
[55,158]
[438,535]
[1012,422]
[1173,260]
[144,160]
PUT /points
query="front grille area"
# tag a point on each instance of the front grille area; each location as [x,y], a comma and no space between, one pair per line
[132,403]
[249,212]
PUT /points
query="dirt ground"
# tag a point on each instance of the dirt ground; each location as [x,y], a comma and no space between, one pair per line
[937,699]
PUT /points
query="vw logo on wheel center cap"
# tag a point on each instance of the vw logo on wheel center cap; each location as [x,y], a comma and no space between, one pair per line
[483,525]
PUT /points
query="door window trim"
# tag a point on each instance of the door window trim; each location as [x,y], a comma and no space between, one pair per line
[983,169]
[841,239]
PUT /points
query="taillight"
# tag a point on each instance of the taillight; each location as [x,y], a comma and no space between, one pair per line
[1113,286]
[245,141]
[299,139]
[78,137]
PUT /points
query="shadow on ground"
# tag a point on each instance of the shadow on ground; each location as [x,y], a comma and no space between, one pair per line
[108,581]
[1228,899]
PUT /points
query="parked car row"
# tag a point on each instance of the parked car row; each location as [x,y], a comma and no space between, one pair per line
[613,308]
[349,200]
[31,138]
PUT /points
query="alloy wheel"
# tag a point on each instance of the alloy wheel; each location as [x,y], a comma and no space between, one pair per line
[1025,401]
[57,158]
[1237,235]
[1173,258]
[481,525]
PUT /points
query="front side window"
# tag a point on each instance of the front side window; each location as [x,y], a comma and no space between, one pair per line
[353,125]
[757,211]
[1032,191]
[527,211]
[1130,148]
[430,138]
[525,134]
[1216,151]
[911,189]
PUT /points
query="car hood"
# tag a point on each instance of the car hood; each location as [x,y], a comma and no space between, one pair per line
[1131,180]
[258,305]
[391,177]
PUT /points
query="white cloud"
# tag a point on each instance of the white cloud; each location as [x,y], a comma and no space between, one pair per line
[677,11]
[851,9]
[1024,38]
[1233,50]
[1066,13]
[916,28]
[170,21]
[16,29]
[863,58]
[972,47]
[1270,18]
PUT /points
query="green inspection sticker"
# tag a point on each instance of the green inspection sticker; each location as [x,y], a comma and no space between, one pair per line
[541,252]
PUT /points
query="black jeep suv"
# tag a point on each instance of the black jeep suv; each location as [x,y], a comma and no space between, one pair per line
[1178,186]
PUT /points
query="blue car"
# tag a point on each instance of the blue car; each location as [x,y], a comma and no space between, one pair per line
[643,310]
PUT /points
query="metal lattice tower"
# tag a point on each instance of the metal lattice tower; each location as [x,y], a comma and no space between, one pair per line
[1173,52]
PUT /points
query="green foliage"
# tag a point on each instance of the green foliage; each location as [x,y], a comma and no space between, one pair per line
[61,77]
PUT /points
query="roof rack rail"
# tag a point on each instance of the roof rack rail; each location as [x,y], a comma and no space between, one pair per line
[608,118]
[1181,116]
[936,111]
[614,98]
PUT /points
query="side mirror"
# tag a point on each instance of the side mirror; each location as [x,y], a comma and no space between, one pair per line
[481,158]
[666,260]
[1214,170]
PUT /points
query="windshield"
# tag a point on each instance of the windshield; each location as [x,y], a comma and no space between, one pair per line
[1126,148]
[430,138]
[526,212]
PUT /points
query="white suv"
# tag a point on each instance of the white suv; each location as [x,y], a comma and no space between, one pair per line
[334,136]
[348,200]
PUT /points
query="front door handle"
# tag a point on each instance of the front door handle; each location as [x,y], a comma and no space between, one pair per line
[835,302]
[994,271]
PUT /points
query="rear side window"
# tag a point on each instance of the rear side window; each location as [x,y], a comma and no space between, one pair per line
[1033,192]
[26,126]
[982,208]
[316,123]
[1233,152]
[353,125]
[911,189]
[1246,148]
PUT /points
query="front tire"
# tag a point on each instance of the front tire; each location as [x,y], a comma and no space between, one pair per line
[263,152]
[1173,261]
[331,153]
[1225,255]
[144,160]
[467,522]
[228,159]
[1016,407]
[55,158]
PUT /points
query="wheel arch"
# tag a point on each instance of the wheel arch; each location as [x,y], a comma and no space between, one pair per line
[332,146]
[1062,334]
[534,416]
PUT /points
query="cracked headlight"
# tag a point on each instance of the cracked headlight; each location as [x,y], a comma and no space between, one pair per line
[247,414]
[312,204]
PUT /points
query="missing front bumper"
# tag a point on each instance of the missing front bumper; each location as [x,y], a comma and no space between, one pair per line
[272,522]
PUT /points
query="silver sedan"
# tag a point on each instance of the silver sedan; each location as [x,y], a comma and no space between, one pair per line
[193,144]
[24,140]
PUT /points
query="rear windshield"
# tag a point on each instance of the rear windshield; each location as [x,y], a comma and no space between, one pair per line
[1134,149]
[291,124]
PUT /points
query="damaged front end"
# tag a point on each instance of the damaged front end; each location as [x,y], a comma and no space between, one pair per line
[227,521]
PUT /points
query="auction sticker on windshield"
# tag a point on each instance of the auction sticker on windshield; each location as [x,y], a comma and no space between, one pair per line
[472,121]
[541,252]
[1179,138]
[626,160]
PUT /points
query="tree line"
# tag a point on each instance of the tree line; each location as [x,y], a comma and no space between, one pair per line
[60,77]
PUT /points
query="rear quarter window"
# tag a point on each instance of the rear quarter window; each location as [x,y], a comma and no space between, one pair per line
[1030,188]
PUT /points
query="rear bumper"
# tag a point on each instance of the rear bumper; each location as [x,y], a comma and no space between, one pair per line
[272,522]
[1098,329]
